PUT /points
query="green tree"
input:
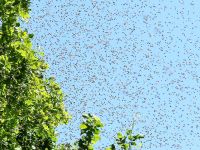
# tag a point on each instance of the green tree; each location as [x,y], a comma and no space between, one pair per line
[31,106]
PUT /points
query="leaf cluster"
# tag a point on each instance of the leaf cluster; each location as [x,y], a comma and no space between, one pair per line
[90,134]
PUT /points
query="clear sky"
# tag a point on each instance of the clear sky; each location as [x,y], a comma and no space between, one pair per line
[125,60]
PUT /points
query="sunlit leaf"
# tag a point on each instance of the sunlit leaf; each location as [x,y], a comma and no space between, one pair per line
[83,126]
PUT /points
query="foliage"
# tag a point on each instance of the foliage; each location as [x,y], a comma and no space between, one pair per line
[125,142]
[66,146]
[31,106]
[90,134]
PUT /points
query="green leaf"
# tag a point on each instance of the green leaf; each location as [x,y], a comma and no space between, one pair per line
[90,147]
[85,116]
[128,132]
[46,117]
[96,131]
[119,135]
[31,35]
[24,15]
[126,146]
[28,102]
[45,127]
[17,24]
[96,138]
[23,53]
[133,143]
[83,126]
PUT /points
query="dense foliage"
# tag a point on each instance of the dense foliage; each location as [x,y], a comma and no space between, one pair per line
[31,106]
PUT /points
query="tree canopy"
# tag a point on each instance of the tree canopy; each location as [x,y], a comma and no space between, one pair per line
[31,106]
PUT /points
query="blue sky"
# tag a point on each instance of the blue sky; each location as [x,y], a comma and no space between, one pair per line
[124,61]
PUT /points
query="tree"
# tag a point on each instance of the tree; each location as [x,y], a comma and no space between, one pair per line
[31,106]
